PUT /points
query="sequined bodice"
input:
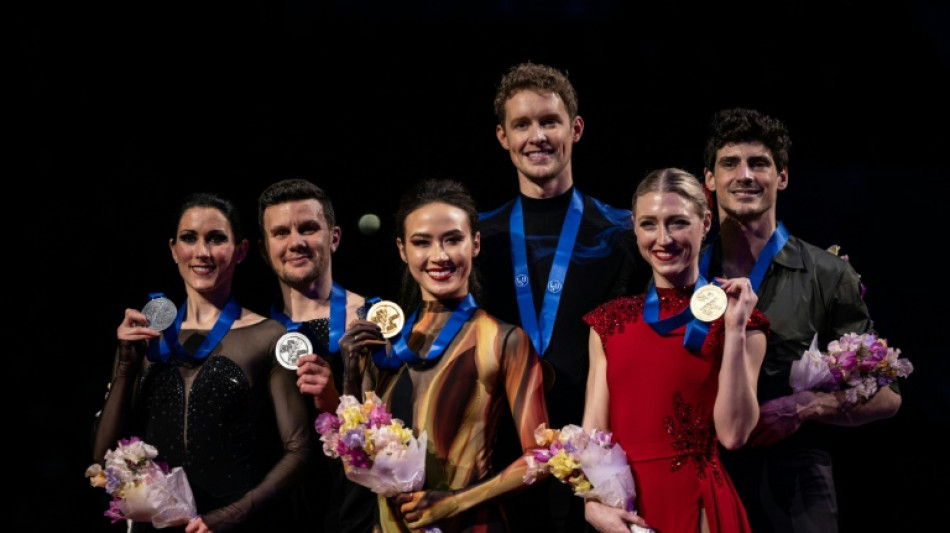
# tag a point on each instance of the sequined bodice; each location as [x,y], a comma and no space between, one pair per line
[673,299]
[215,418]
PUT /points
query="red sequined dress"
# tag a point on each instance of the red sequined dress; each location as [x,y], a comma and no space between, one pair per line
[661,413]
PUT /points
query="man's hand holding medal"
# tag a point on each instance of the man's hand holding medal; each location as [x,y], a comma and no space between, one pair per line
[357,344]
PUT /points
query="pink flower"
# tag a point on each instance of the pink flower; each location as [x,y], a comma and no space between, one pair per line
[326,423]
[143,489]
[378,416]
[859,365]
[376,450]
[114,512]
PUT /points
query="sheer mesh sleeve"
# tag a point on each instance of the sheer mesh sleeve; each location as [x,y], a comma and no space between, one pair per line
[288,408]
[117,419]
[235,421]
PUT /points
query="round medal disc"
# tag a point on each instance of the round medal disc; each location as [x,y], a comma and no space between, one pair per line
[160,312]
[708,303]
[388,316]
[290,347]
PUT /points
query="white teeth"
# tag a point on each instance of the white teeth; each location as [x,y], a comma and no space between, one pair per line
[441,274]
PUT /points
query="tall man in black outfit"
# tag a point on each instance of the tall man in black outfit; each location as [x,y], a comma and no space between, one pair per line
[548,256]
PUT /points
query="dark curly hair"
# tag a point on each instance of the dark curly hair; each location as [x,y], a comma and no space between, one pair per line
[730,126]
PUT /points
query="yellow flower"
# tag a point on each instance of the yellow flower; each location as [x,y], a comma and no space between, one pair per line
[562,465]
[353,417]
[580,483]
[369,443]
[405,434]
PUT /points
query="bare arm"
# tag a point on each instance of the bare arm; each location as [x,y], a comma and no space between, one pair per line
[603,518]
[736,410]
[597,397]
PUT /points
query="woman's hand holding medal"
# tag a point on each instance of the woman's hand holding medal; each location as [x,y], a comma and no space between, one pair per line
[742,300]
[147,324]
[134,335]
[362,338]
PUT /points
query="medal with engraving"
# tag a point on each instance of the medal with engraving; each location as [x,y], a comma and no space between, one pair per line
[290,347]
[388,316]
[708,303]
[160,313]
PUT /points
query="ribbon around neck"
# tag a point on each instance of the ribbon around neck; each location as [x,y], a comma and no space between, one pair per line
[540,327]
[775,243]
[168,348]
[337,318]
[403,354]
[696,330]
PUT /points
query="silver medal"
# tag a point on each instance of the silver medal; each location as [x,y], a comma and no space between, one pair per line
[290,347]
[160,312]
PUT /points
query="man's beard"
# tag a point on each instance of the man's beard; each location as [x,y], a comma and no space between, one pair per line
[303,280]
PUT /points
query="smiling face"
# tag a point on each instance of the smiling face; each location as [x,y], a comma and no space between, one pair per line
[669,234]
[205,250]
[439,249]
[298,241]
[746,181]
[539,135]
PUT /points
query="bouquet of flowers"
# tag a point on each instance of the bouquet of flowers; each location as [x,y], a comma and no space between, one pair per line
[592,464]
[376,450]
[857,364]
[143,490]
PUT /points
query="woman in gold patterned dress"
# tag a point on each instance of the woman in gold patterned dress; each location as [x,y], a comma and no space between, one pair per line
[452,371]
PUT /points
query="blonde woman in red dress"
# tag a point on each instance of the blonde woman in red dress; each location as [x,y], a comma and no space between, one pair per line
[669,385]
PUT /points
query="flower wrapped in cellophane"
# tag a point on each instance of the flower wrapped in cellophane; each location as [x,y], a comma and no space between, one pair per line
[142,489]
[592,464]
[859,365]
[377,451]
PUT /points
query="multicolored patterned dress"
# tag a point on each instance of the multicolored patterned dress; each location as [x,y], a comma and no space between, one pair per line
[488,368]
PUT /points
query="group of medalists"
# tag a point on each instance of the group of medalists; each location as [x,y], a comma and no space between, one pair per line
[555,308]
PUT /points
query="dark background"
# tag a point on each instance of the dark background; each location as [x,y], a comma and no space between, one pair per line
[122,108]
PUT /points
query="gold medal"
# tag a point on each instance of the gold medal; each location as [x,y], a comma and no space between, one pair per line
[388,316]
[708,303]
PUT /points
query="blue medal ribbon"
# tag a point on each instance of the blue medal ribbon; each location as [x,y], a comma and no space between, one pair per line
[169,348]
[337,317]
[772,247]
[540,327]
[696,330]
[403,354]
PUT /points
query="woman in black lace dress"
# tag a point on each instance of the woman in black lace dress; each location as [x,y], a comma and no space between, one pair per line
[208,391]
